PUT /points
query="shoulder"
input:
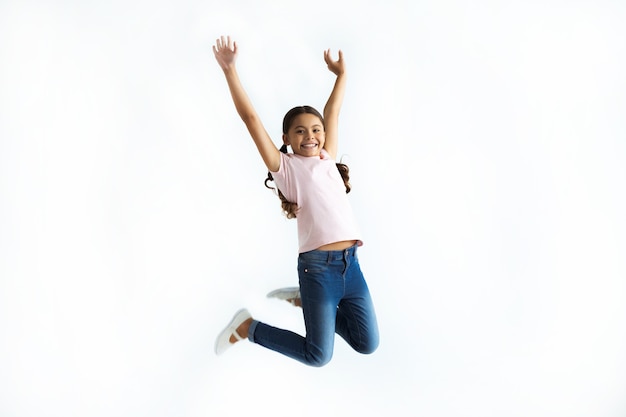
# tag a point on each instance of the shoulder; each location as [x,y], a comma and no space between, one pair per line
[284,159]
[325,155]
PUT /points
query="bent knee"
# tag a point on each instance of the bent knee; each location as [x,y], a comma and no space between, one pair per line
[367,347]
[318,362]
[319,359]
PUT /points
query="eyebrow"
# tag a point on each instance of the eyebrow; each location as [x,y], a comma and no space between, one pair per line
[304,127]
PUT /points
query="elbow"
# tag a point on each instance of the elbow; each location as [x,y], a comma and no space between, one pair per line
[331,116]
[249,118]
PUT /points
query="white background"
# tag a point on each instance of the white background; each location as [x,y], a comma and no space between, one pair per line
[487,147]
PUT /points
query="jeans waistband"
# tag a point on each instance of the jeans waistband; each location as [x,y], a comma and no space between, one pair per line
[330,255]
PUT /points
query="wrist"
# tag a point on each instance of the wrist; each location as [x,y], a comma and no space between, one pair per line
[229,69]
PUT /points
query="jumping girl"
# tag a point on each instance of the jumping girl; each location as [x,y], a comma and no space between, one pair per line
[312,186]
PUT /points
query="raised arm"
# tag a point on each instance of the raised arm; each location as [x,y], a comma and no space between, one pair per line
[333,105]
[225,52]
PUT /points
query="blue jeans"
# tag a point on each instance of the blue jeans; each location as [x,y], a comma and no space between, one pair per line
[335,299]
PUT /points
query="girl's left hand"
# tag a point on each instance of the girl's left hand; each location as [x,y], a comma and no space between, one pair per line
[336,67]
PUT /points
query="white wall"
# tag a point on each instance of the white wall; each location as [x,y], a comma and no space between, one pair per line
[486,141]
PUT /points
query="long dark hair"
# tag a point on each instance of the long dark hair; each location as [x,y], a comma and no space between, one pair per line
[289,208]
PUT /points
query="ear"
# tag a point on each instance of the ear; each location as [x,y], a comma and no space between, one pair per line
[285,140]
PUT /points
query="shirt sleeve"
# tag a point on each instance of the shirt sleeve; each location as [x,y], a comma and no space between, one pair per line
[284,181]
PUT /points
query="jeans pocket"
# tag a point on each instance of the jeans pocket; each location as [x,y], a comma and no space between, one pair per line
[311,266]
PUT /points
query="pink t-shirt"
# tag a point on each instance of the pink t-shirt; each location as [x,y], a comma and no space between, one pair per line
[315,185]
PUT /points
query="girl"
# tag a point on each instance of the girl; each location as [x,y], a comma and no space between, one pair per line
[333,294]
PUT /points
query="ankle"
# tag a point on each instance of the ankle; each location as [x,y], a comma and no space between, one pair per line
[244,329]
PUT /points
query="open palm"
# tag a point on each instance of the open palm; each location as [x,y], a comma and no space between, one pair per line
[225,51]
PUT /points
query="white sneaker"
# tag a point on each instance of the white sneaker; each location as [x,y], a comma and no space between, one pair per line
[288,293]
[223,339]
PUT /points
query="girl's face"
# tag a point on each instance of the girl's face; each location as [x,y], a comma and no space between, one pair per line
[306,135]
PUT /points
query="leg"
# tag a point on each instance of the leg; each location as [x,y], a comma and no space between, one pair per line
[321,287]
[356,319]
[315,349]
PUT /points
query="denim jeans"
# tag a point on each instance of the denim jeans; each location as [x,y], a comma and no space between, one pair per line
[335,299]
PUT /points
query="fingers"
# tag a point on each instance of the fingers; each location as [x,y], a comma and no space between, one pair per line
[221,43]
[328,56]
[224,43]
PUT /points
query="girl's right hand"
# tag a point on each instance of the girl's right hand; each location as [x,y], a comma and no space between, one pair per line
[225,52]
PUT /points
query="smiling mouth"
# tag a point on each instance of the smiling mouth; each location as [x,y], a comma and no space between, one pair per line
[309,146]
